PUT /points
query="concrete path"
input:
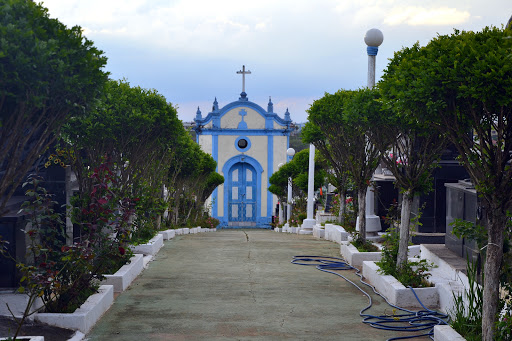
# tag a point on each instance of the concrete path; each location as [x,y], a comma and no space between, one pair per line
[239,285]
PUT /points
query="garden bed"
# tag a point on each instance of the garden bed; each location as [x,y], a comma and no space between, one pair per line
[126,274]
[396,293]
[151,247]
[83,318]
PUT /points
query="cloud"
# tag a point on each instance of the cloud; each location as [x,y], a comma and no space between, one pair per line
[421,16]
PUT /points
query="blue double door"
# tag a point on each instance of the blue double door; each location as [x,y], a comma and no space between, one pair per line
[242,195]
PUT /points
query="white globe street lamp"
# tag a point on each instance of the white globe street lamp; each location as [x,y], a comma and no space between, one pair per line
[373,39]
[290,152]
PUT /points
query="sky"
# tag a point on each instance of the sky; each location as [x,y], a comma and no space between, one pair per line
[297,50]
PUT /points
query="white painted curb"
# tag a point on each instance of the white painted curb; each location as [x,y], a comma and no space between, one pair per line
[335,233]
[168,234]
[151,248]
[78,336]
[355,258]
[126,274]
[84,318]
[25,338]
[446,333]
[318,232]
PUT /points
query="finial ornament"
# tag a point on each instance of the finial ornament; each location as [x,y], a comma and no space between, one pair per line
[270,106]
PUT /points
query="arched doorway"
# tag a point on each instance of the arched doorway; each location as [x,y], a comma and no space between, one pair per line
[242,195]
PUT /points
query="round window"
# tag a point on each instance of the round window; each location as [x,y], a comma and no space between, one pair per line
[242,143]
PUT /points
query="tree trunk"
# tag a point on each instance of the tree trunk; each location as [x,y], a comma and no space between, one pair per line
[405,221]
[492,274]
[343,207]
[361,195]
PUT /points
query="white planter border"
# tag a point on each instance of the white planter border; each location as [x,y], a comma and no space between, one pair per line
[126,274]
[446,333]
[355,258]
[168,234]
[84,318]
[151,248]
[396,293]
[318,232]
[335,233]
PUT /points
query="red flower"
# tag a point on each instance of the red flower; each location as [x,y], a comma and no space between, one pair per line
[31,232]
[64,248]
[122,251]
[42,265]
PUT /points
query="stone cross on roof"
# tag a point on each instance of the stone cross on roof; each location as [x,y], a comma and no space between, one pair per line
[243,73]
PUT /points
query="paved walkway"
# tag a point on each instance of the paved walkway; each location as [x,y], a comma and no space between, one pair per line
[239,285]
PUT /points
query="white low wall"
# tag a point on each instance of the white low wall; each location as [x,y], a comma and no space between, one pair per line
[126,274]
[447,279]
[84,318]
[335,233]
[355,258]
[396,293]
[446,333]
[24,338]
[151,248]
[318,231]
[168,234]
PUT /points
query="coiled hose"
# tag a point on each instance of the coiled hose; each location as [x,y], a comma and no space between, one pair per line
[408,321]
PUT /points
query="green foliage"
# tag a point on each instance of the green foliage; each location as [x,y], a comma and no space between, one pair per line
[297,144]
[412,273]
[467,312]
[48,73]
[363,245]
[297,169]
[342,118]
[207,222]
[466,229]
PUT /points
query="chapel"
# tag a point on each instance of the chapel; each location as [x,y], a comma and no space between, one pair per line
[248,143]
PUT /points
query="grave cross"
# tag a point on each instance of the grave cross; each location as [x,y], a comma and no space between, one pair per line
[243,73]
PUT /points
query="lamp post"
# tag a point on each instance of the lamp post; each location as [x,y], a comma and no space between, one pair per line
[281,212]
[290,152]
[309,222]
[373,39]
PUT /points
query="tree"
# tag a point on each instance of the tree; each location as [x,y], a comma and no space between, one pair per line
[347,133]
[298,170]
[131,126]
[462,83]
[191,179]
[48,72]
[338,174]
[409,148]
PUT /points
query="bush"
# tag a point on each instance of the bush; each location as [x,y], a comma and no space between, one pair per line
[414,274]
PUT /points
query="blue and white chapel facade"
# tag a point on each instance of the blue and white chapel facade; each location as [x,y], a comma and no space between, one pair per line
[248,144]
